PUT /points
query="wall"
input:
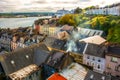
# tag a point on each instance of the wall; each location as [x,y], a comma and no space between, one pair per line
[110,66]
[94,62]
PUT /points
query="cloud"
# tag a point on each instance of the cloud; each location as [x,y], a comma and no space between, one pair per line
[48,5]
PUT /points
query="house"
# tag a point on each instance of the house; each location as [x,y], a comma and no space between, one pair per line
[62,12]
[56,76]
[5,40]
[22,41]
[25,63]
[89,32]
[76,49]
[59,60]
[49,30]
[91,75]
[63,35]
[67,28]
[31,72]
[94,56]
[113,61]
[55,63]
[74,72]
[58,44]
[94,40]
[113,9]
[49,41]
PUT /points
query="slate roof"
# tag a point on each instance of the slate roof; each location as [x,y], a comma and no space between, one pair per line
[114,51]
[80,46]
[49,41]
[91,75]
[14,61]
[96,50]
[59,60]
[58,44]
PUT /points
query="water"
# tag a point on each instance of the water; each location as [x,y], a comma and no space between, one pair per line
[18,22]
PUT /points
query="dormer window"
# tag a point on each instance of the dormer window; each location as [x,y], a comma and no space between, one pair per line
[103,77]
[114,59]
[27,56]
[91,77]
[88,57]
[33,40]
[12,62]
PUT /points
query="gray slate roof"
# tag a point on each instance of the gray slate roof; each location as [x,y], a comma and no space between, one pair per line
[96,50]
[14,61]
[91,75]
[114,51]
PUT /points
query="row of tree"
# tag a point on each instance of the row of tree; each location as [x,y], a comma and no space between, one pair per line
[109,24]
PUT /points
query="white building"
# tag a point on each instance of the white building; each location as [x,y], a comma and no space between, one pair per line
[62,12]
[89,32]
[94,56]
[107,10]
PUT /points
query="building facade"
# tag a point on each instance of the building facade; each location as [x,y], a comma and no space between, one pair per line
[94,56]
[5,40]
[113,61]
[62,12]
[107,10]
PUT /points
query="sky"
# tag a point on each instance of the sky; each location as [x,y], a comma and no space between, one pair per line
[49,5]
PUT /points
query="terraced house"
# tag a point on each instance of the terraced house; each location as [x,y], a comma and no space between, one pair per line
[24,64]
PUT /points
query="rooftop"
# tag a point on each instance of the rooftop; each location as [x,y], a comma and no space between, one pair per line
[74,72]
[91,75]
[22,73]
[56,76]
[94,40]
[96,50]
[114,51]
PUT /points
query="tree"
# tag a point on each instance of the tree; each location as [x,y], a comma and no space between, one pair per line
[78,10]
[67,19]
[114,34]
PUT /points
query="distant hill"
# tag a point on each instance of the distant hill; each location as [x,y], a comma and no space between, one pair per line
[26,14]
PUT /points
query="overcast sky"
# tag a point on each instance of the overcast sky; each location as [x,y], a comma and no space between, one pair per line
[48,5]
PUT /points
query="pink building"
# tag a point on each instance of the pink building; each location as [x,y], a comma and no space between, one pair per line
[113,61]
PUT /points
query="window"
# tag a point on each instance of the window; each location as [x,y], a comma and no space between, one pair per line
[99,60]
[98,67]
[117,68]
[88,57]
[27,56]
[114,59]
[93,58]
[108,66]
[92,64]
[30,77]
[87,63]
[12,62]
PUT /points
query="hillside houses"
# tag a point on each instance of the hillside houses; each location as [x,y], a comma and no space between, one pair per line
[113,9]
[23,64]
[66,58]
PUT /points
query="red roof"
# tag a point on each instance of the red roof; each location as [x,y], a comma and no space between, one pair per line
[56,76]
